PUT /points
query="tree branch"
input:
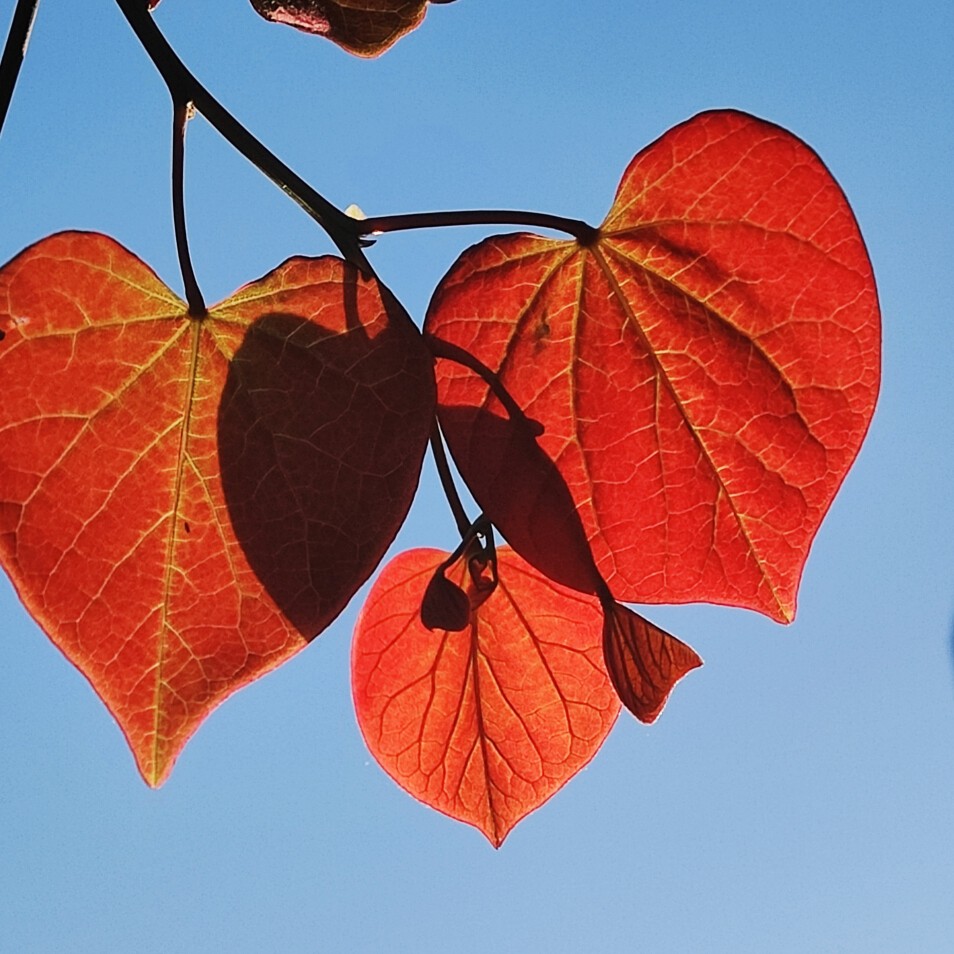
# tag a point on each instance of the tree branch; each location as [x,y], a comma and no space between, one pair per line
[585,234]
[14,51]
[180,119]
[447,481]
[445,349]
[184,87]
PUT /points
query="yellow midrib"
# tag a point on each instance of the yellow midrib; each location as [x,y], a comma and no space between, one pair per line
[156,768]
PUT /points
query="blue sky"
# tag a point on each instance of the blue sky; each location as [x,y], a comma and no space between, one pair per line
[798,793]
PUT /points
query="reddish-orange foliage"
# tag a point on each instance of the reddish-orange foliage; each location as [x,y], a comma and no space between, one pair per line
[703,372]
[185,503]
[659,412]
[362,27]
[486,722]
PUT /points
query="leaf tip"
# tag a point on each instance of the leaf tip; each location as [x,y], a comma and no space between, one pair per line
[781,608]
[154,757]
[152,775]
[495,829]
[786,611]
[154,771]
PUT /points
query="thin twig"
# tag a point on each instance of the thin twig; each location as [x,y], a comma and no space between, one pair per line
[180,119]
[585,234]
[14,51]
[447,481]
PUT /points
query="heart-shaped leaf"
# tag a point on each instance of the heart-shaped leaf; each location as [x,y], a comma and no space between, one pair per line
[704,370]
[485,723]
[362,27]
[185,503]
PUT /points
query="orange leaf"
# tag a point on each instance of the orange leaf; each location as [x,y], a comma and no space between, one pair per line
[362,27]
[184,504]
[704,371]
[485,723]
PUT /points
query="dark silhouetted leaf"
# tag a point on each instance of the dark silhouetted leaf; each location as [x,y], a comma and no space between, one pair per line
[444,605]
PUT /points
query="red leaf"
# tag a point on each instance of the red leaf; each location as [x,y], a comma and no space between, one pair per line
[362,27]
[704,372]
[184,504]
[486,723]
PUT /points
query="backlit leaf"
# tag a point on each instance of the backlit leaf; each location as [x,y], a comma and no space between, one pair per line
[362,27]
[703,372]
[184,504]
[485,723]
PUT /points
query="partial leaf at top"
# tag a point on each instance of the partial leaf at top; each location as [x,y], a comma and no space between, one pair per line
[486,721]
[362,27]
[184,504]
[703,372]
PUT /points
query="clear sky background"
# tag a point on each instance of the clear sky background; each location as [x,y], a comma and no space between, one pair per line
[798,793]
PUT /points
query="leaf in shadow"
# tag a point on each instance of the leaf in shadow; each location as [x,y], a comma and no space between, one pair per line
[705,370]
[321,438]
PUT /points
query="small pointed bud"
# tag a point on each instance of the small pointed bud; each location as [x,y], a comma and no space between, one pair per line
[445,605]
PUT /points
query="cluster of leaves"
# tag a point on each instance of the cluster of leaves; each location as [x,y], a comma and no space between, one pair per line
[660,409]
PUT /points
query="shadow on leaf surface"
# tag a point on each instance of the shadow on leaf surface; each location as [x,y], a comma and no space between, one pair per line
[321,436]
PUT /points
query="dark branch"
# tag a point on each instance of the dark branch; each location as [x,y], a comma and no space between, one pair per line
[583,233]
[447,481]
[184,87]
[193,294]
[445,349]
[14,51]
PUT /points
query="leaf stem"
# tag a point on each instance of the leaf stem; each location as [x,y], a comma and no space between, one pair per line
[180,119]
[585,234]
[14,51]
[447,481]
[184,87]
